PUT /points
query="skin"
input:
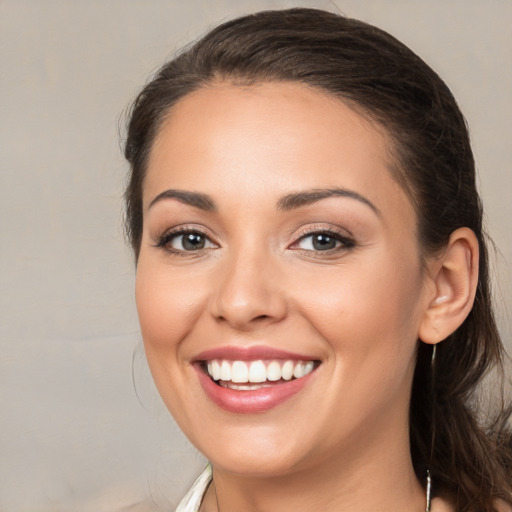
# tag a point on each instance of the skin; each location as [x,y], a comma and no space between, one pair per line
[342,442]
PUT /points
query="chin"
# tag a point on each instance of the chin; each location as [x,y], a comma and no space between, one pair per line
[255,463]
[257,451]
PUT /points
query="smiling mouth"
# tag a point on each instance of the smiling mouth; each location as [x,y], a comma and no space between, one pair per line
[253,375]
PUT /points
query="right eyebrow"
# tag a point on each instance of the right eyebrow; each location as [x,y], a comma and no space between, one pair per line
[195,199]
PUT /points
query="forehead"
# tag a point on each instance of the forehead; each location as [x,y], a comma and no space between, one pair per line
[251,140]
[276,108]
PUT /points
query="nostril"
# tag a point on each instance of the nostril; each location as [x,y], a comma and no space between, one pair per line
[246,307]
[259,318]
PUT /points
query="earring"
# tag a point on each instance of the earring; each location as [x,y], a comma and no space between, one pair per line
[429,491]
[429,477]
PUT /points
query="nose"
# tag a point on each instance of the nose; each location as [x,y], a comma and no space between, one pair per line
[248,293]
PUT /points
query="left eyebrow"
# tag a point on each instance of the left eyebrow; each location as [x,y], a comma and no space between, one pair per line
[305,197]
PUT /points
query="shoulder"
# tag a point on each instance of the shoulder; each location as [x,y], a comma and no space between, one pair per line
[502,506]
[444,505]
[441,504]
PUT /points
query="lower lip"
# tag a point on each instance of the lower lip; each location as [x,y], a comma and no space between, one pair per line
[251,401]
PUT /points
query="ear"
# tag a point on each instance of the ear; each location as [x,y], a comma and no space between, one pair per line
[454,275]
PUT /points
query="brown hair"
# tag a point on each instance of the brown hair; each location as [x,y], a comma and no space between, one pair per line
[376,74]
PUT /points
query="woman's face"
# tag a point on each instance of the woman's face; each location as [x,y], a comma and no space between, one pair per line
[276,241]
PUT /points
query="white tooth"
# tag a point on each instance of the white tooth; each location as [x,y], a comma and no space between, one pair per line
[257,372]
[274,371]
[225,371]
[308,367]
[215,370]
[239,372]
[298,371]
[209,369]
[287,370]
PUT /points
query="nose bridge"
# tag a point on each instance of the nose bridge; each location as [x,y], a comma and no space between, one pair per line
[247,292]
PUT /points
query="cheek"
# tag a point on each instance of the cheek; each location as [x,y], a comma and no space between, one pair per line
[368,310]
[166,306]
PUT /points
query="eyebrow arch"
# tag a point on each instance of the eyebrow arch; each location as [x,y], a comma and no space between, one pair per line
[286,203]
[303,198]
[195,199]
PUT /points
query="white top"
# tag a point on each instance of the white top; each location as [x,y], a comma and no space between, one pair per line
[192,500]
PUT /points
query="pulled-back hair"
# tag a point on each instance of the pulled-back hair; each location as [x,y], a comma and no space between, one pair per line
[470,456]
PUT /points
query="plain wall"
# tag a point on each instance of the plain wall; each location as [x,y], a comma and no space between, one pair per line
[73,433]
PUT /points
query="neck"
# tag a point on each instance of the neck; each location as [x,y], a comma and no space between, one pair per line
[378,476]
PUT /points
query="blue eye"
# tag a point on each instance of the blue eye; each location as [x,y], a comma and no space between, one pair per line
[324,241]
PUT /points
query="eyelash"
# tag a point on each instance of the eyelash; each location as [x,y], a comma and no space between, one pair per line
[165,240]
[346,243]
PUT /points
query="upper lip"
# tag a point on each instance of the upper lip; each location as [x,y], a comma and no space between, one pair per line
[252,353]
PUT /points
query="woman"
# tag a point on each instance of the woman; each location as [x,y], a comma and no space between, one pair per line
[312,279]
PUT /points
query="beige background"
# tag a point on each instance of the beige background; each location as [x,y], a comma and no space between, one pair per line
[73,435]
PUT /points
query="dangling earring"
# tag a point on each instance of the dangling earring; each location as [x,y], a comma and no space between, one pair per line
[429,491]
[429,477]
